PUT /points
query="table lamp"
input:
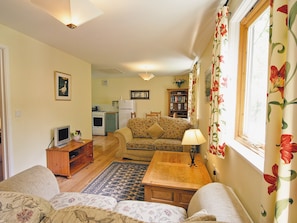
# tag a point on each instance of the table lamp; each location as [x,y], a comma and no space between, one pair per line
[193,137]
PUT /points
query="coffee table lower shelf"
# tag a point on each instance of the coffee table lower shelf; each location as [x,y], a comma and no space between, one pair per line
[171,196]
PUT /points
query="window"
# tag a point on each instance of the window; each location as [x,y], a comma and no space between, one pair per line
[253,74]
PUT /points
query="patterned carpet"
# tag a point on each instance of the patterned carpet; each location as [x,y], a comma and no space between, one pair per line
[119,180]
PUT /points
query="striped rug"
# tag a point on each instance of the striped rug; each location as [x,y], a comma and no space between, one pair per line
[121,180]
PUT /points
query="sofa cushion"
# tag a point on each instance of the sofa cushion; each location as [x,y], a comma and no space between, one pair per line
[155,131]
[168,145]
[19,207]
[67,199]
[174,127]
[141,144]
[151,211]
[83,214]
[139,126]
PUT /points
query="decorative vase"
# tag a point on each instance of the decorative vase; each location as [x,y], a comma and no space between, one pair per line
[76,137]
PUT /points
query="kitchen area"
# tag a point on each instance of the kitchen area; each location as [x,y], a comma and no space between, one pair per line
[107,118]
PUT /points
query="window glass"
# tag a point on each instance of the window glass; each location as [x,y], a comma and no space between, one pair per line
[254,83]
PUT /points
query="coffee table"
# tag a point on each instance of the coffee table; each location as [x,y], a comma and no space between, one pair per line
[170,179]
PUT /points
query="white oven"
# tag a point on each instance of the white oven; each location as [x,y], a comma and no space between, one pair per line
[98,123]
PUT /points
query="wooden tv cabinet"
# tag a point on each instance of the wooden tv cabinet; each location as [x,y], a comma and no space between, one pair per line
[69,159]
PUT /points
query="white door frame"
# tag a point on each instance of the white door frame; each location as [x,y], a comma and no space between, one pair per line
[5,113]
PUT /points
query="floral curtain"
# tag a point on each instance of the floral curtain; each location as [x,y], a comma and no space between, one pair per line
[192,101]
[218,84]
[279,197]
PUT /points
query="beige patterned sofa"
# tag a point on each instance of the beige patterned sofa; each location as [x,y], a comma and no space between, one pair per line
[143,136]
[33,196]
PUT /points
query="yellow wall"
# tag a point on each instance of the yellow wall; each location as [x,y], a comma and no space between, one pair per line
[31,90]
[120,87]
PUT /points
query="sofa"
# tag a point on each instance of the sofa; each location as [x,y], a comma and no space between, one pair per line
[143,136]
[33,196]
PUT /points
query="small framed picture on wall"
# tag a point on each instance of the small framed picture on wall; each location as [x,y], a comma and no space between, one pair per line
[142,94]
[207,83]
[62,86]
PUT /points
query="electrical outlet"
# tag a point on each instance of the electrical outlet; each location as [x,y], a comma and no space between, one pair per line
[215,173]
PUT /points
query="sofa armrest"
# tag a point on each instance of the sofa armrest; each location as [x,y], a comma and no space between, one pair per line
[219,200]
[37,180]
[124,135]
[124,132]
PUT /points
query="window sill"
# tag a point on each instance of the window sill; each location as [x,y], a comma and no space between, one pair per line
[256,160]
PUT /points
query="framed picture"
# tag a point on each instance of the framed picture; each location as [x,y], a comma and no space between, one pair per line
[142,94]
[207,82]
[62,86]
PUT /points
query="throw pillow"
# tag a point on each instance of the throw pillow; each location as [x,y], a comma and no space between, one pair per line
[155,131]
[201,215]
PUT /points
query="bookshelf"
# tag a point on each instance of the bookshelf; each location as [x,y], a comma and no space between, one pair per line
[178,102]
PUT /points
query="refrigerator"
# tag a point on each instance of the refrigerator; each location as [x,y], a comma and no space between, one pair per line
[125,109]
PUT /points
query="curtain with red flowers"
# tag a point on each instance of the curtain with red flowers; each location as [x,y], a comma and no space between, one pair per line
[279,199]
[192,110]
[218,85]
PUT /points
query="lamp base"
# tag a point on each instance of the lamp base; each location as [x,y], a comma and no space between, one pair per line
[193,163]
[192,155]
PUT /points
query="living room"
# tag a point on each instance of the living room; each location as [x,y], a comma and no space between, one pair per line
[32,111]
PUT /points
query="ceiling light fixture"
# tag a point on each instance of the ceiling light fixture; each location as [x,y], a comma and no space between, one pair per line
[146,76]
[70,12]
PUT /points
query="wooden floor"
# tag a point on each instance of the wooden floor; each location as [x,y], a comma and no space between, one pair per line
[105,148]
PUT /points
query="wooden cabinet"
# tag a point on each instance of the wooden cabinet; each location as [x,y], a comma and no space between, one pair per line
[69,159]
[178,102]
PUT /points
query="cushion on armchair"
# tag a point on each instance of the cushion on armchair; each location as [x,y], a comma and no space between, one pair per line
[19,207]
[67,199]
[151,211]
[83,214]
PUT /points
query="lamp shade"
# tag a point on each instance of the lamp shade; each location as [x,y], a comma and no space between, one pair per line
[193,137]
[146,76]
[70,12]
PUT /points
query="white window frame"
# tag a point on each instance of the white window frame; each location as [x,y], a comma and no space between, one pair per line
[239,13]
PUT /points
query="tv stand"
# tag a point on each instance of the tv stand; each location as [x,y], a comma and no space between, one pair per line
[71,158]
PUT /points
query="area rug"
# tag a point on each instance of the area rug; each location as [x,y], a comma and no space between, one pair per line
[121,180]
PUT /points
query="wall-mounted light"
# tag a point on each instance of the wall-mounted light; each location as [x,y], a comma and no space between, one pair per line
[70,12]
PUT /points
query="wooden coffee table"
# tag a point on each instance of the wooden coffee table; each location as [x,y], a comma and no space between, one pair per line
[170,179]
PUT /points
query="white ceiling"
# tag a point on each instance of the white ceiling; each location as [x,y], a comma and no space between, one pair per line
[161,36]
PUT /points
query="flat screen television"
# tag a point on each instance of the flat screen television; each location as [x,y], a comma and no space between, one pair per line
[61,136]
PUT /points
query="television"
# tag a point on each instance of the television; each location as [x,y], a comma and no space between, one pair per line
[61,136]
